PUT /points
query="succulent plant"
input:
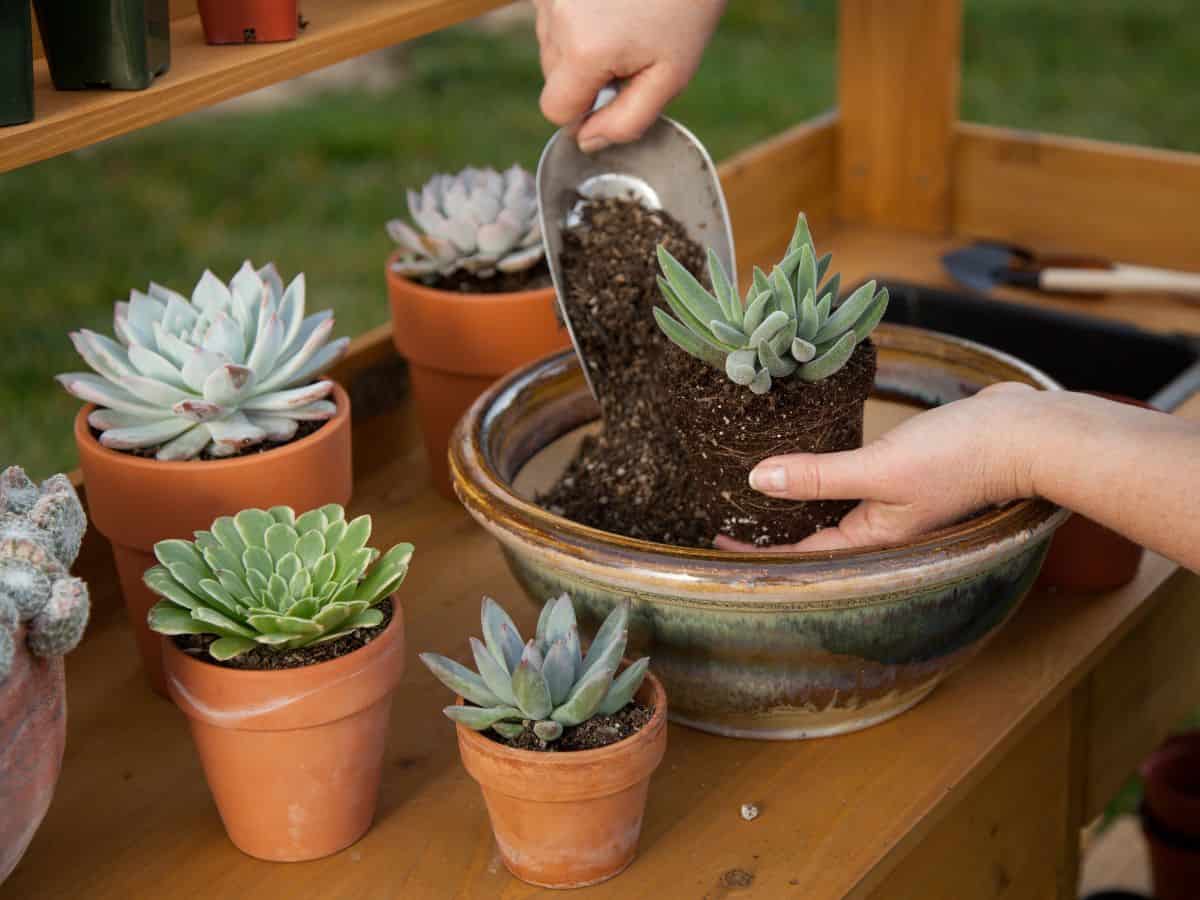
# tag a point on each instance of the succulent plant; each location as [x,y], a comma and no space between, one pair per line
[267,577]
[787,325]
[480,220]
[545,684]
[232,368]
[41,529]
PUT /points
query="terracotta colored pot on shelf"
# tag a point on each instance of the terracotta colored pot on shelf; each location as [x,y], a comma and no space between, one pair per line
[33,734]
[293,757]
[1086,557]
[136,502]
[566,820]
[248,21]
[1171,816]
[458,344]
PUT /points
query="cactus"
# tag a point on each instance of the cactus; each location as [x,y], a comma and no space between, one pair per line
[41,529]
[786,326]
[230,369]
[479,220]
[267,577]
[546,683]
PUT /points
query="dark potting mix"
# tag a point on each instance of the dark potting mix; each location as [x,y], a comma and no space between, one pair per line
[679,438]
[598,731]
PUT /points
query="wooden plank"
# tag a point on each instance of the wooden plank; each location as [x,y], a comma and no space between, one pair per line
[1131,204]
[898,84]
[767,185]
[202,75]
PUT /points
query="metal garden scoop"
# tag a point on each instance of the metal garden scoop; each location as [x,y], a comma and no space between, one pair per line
[667,168]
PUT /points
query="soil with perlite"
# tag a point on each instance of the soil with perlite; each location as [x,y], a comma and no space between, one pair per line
[264,658]
[679,439]
[303,430]
[461,282]
[596,732]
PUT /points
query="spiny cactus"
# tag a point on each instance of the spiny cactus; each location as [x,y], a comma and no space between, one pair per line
[545,684]
[786,326]
[41,529]
[269,577]
[479,220]
[230,369]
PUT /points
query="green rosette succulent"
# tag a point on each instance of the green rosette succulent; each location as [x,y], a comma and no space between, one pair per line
[545,684]
[267,577]
[787,326]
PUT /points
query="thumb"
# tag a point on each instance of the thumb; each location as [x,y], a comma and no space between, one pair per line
[847,475]
[634,109]
[571,89]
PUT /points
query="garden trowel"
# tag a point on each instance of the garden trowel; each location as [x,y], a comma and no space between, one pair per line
[667,168]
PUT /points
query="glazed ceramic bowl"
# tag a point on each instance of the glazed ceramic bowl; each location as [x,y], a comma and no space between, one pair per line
[764,645]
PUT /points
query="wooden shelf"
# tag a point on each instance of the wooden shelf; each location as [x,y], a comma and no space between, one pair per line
[202,75]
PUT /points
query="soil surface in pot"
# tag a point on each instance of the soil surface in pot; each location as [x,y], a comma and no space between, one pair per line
[598,731]
[303,430]
[264,658]
[679,439]
[533,279]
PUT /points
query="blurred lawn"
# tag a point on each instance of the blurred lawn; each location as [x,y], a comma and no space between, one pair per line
[310,185]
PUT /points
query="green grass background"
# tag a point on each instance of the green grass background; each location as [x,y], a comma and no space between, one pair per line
[311,184]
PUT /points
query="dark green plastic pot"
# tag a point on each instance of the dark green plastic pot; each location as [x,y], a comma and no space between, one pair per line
[120,44]
[16,62]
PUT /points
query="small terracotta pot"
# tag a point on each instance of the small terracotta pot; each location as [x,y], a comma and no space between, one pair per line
[33,734]
[248,21]
[566,820]
[293,757]
[458,344]
[1171,816]
[136,502]
[1086,557]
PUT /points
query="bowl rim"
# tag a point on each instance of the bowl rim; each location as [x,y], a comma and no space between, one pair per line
[996,534]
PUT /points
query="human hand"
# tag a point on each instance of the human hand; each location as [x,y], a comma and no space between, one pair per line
[928,472]
[654,46]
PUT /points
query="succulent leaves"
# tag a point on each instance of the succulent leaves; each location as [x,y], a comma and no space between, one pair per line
[478,220]
[267,577]
[234,366]
[787,326]
[546,683]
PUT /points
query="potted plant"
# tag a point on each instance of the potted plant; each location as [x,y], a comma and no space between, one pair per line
[16,64]
[562,746]
[43,612]
[201,407]
[470,294]
[1171,815]
[248,21]
[285,642]
[120,44]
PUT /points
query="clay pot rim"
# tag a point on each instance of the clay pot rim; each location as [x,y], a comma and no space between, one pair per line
[485,746]
[442,296]
[85,440]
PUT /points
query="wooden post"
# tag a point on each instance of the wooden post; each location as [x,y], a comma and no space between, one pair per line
[898,86]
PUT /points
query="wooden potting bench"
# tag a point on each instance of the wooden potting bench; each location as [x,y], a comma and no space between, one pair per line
[979,792]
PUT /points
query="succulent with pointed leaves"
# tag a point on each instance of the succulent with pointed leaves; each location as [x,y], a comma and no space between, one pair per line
[231,368]
[41,529]
[480,220]
[267,577]
[545,684]
[787,326]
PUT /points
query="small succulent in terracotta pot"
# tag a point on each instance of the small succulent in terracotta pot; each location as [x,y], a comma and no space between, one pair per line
[562,816]
[284,645]
[43,612]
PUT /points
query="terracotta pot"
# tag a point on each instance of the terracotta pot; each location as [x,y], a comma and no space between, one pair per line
[1086,557]
[1171,816]
[458,344]
[248,21]
[33,733]
[293,757]
[565,820]
[135,502]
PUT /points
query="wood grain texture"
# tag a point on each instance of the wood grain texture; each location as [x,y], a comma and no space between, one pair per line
[1131,204]
[898,86]
[202,75]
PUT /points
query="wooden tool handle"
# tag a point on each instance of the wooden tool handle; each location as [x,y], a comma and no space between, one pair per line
[1120,278]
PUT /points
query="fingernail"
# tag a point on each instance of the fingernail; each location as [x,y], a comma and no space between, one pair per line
[769,479]
[593,144]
